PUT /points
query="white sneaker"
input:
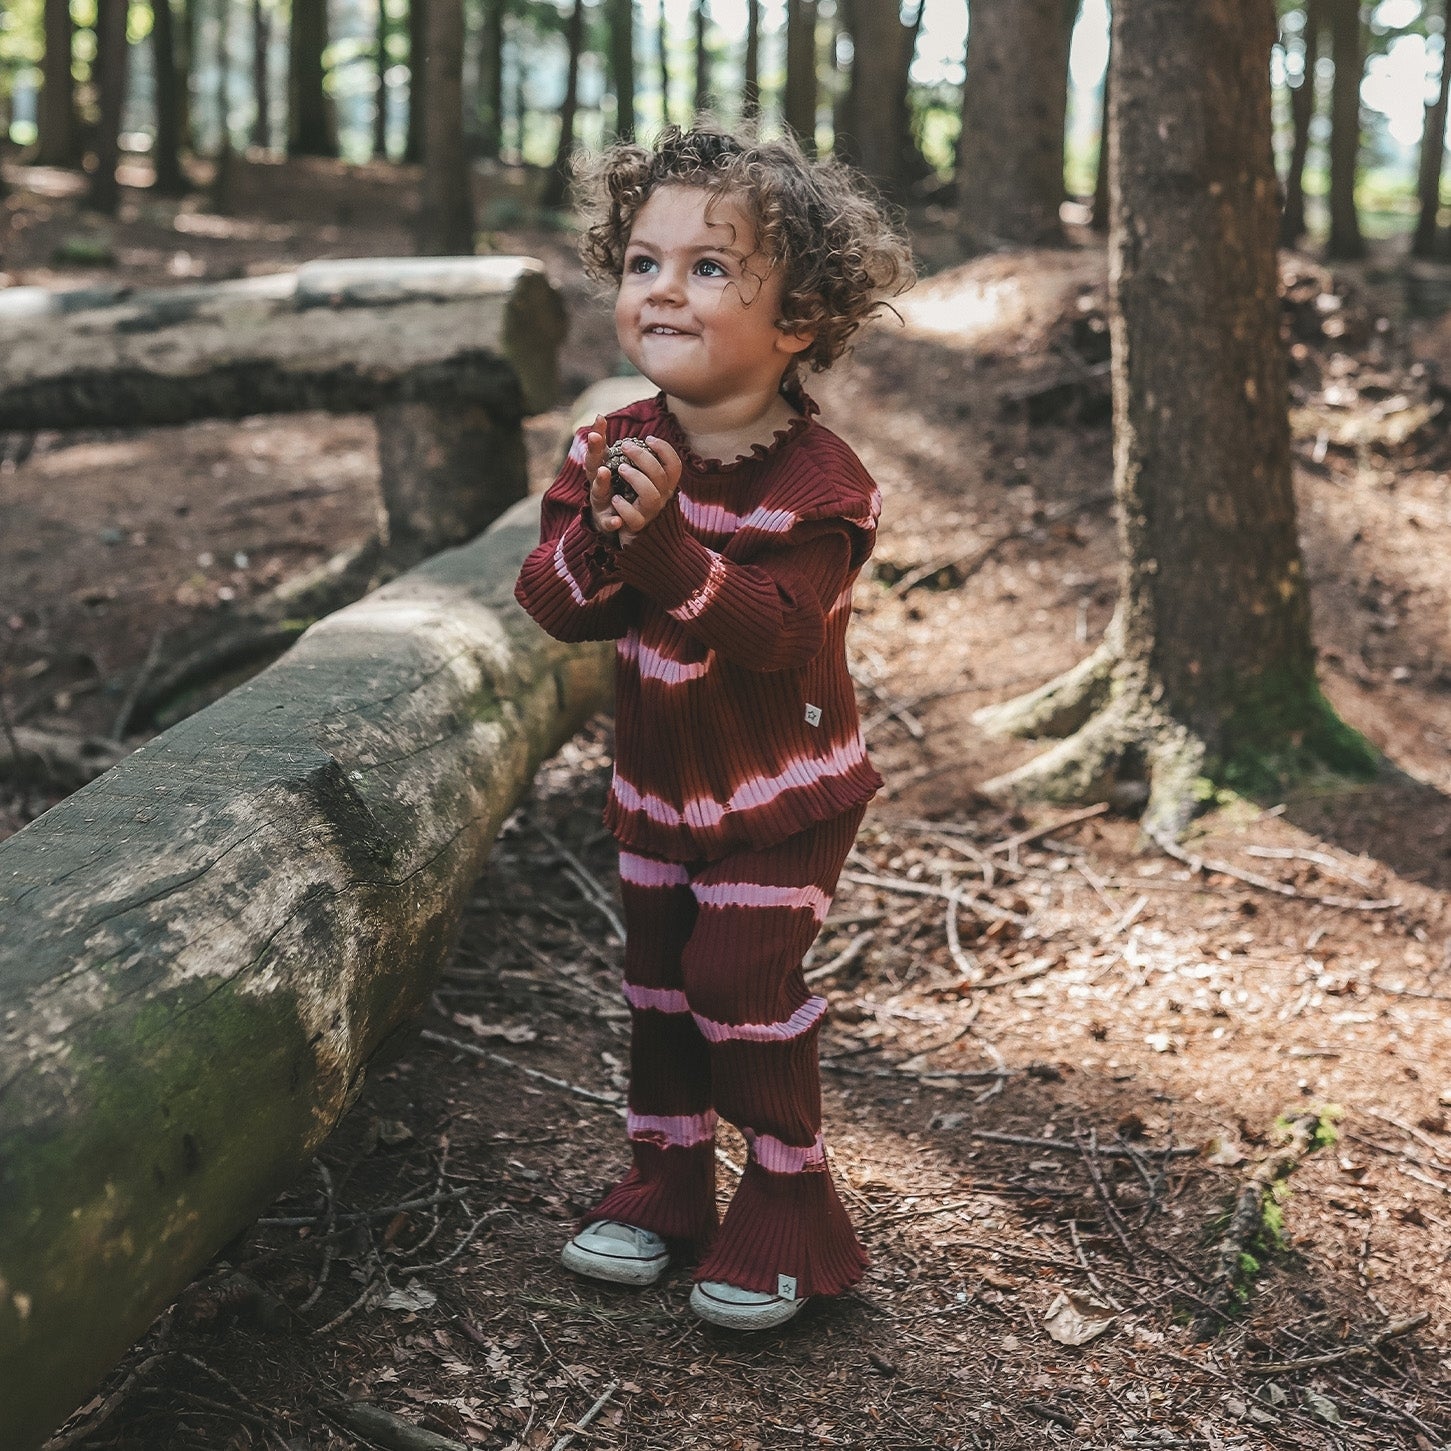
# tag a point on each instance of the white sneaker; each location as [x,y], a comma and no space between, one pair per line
[733,1308]
[620,1253]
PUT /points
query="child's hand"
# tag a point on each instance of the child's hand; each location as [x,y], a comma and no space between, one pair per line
[650,470]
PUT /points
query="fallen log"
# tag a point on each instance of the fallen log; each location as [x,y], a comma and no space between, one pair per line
[448,354]
[201,950]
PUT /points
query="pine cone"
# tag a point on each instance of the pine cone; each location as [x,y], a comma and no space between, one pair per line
[614,457]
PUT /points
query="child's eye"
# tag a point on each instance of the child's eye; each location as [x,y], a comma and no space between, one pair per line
[640,264]
[706,267]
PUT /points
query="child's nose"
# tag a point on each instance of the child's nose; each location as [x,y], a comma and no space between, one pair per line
[667,283]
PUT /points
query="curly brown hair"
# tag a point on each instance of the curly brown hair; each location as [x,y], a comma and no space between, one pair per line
[819,221]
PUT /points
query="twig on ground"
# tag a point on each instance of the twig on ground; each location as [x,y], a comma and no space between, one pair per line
[1331,1357]
[909,888]
[383,1428]
[83,1430]
[1067,1146]
[594,893]
[1088,1151]
[359,1216]
[1036,968]
[329,1248]
[1199,865]
[1023,838]
[1319,858]
[1083,1260]
[610,1100]
[464,1242]
[844,958]
[589,1416]
[138,684]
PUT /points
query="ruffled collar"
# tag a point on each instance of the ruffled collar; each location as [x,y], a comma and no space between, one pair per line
[806,409]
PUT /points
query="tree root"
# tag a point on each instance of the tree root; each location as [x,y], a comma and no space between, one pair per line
[68,762]
[1059,708]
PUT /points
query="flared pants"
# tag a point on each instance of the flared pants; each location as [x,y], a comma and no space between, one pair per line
[722,1024]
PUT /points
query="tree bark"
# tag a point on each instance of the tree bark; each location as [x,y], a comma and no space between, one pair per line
[622,65]
[166,153]
[186,50]
[60,137]
[310,131]
[1349,54]
[104,193]
[556,188]
[205,947]
[222,98]
[1302,115]
[1010,185]
[1433,147]
[702,57]
[261,91]
[413,146]
[1207,672]
[800,99]
[446,218]
[751,67]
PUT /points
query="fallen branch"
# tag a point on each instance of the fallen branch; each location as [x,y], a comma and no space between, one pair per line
[1200,865]
[1366,1347]
[608,1099]
[67,761]
[588,1417]
[1023,838]
[385,1429]
[1067,1146]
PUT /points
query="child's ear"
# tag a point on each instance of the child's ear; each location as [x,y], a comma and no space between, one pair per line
[795,339]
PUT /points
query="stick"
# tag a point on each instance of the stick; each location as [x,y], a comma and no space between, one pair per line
[926,889]
[383,1428]
[588,1416]
[133,694]
[847,955]
[594,894]
[1311,1362]
[1011,843]
[1065,1146]
[610,1100]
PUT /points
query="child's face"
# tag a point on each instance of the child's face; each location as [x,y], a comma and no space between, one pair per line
[698,303]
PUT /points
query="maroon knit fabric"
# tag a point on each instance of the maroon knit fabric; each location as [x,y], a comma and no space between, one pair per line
[722,1022]
[735,721]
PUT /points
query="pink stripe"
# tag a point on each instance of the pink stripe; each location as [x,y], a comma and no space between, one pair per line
[579,449]
[717,519]
[562,570]
[782,1158]
[702,812]
[679,1131]
[754,894]
[644,871]
[661,999]
[652,665]
[802,1020]
[697,602]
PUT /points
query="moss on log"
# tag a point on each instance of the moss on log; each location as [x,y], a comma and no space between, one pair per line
[203,948]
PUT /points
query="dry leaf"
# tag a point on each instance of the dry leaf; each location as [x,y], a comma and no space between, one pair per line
[1075,1319]
[499,1032]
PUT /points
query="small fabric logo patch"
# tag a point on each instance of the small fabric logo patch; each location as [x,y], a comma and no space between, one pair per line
[786,1284]
[813,715]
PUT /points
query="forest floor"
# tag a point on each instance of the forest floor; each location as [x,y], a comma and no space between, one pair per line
[1053,1059]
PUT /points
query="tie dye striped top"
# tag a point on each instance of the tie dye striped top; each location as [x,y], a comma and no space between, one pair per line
[735,720]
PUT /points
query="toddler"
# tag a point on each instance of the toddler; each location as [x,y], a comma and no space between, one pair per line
[719,551]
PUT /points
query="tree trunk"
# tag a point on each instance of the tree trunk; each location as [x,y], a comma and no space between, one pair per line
[1105,139]
[60,139]
[622,65]
[222,96]
[261,91]
[1302,114]
[871,134]
[662,34]
[751,68]
[104,194]
[521,96]
[205,948]
[702,57]
[166,148]
[800,99]
[380,83]
[1433,147]
[556,188]
[491,80]
[1010,186]
[309,124]
[446,216]
[186,50]
[417,80]
[1207,671]
[1349,53]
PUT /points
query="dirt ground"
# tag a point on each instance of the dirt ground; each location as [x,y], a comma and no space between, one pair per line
[1053,1058]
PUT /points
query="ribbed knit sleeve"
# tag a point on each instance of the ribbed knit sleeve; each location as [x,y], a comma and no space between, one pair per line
[767,615]
[570,583]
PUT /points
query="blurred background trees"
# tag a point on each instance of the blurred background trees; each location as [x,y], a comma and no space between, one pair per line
[1010,126]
